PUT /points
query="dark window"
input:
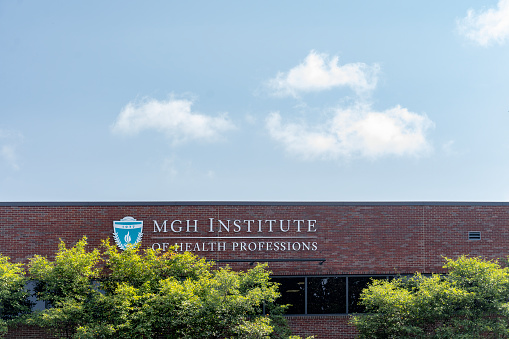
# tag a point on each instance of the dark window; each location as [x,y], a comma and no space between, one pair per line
[292,293]
[37,305]
[326,295]
[355,287]
[323,295]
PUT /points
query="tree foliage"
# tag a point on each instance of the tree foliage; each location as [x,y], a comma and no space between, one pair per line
[146,294]
[14,303]
[471,301]
[64,284]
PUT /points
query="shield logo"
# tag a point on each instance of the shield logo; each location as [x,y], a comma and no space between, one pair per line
[127,231]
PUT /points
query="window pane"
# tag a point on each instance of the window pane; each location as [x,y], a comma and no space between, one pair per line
[292,292]
[355,287]
[38,305]
[326,295]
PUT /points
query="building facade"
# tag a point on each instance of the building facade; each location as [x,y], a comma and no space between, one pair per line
[322,254]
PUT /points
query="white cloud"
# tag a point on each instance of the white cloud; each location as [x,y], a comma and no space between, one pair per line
[8,143]
[8,153]
[318,72]
[449,148]
[487,26]
[172,117]
[356,131]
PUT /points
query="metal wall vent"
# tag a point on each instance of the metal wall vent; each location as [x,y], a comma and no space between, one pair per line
[474,235]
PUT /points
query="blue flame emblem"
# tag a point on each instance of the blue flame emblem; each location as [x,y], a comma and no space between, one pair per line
[127,231]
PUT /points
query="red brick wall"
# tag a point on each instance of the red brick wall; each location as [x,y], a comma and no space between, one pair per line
[352,238]
[28,332]
[322,327]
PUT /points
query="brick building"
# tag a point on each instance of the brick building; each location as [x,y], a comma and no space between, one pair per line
[323,254]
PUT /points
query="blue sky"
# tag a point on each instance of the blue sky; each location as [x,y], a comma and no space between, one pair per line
[267,100]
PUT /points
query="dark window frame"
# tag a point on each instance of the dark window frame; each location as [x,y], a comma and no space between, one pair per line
[347,283]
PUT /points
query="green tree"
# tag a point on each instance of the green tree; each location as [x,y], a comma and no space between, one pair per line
[146,294]
[14,303]
[471,301]
[64,284]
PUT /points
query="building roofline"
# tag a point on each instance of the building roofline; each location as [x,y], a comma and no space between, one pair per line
[251,203]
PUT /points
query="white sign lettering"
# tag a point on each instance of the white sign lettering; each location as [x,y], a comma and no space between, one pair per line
[268,235]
